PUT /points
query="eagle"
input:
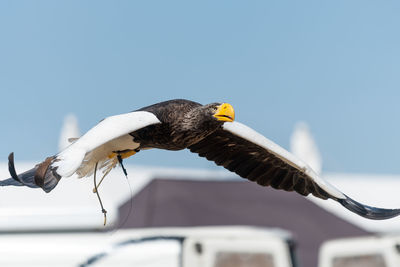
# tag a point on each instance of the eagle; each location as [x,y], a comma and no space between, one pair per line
[207,130]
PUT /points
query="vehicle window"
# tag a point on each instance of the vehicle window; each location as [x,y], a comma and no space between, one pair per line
[158,253]
[372,260]
[239,259]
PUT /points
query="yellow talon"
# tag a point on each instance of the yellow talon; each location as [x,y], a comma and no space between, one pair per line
[124,155]
[127,154]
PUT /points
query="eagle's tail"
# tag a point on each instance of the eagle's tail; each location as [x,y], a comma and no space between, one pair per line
[42,175]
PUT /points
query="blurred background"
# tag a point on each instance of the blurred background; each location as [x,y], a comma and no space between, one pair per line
[334,65]
[331,65]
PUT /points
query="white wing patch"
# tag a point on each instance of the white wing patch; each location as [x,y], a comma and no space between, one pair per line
[109,135]
[249,134]
[100,155]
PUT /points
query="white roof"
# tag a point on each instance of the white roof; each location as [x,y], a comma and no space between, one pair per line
[73,205]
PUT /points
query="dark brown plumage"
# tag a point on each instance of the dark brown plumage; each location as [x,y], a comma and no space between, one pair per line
[183,123]
[208,130]
[255,163]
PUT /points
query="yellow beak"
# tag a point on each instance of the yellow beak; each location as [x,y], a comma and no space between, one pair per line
[225,112]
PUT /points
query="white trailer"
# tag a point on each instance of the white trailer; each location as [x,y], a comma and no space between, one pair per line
[162,247]
[371,251]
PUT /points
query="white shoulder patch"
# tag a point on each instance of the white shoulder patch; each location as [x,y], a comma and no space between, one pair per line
[69,160]
[249,134]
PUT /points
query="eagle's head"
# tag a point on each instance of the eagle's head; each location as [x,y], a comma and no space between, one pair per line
[222,112]
[208,118]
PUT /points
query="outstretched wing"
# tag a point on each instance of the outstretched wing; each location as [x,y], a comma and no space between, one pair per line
[112,134]
[242,150]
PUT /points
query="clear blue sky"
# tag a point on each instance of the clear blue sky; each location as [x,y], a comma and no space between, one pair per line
[333,64]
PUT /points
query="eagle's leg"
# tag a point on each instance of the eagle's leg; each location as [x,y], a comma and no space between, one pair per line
[120,156]
[103,210]
[101,180]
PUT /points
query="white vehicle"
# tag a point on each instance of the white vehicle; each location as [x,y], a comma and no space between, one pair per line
[161,247]
[371,251]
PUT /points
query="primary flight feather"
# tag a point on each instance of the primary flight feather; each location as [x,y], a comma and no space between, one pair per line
[208,130]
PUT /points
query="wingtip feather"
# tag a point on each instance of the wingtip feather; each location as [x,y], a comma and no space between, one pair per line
[40,176]
[368,211]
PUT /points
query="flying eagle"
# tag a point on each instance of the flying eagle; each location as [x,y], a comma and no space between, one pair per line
[208,130]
